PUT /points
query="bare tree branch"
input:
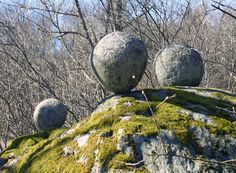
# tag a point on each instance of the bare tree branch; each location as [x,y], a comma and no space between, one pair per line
[84,24]
[222,10]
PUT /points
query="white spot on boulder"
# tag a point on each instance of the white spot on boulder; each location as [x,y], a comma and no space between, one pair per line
[127,103]
[66,133]
[82,140]
[126,118]
[97,166]
[123,143]
[68,151]
[82,160]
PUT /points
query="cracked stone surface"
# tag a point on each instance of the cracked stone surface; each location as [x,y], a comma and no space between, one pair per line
[190,133]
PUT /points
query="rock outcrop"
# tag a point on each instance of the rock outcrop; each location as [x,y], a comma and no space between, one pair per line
[166,130]
[179,65]
[119,61]
[50,113]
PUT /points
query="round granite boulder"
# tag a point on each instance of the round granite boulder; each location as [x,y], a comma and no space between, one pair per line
[50,113]
[179,65]
[119,61]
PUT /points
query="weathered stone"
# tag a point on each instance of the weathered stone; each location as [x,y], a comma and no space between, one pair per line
[186,133]
[198,116]
[50,113]
[179,65]
[119,61]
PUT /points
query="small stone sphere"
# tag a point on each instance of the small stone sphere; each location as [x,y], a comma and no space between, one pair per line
[179,65]
[119,61]
[50,113]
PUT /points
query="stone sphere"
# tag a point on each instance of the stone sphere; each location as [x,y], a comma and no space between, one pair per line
[179,65]
[119,61]
[50,113]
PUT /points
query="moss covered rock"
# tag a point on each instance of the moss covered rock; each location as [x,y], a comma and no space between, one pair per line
[166,130]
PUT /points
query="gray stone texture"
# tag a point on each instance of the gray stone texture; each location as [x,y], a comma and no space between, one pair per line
[162,153]
[119,61]
[165,153]
[50,113]
[206,144]
[179,65]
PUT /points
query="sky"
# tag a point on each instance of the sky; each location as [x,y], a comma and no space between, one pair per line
[194,2]
[233,2]
[86,3]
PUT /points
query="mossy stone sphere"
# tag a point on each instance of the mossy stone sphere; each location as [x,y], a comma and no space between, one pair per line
[119,61]
[179,65]
[50,113]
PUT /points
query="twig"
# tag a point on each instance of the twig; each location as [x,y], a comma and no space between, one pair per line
[167,98]
[132,164]
[145,96]
[232,113]
[150,108]
[226,162]
[225,110]
[14,165]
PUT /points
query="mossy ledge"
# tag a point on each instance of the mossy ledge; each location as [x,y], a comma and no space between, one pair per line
[123,126]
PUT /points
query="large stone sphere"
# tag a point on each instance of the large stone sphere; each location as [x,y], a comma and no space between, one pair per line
[179,65]
[50,113]
[119,61]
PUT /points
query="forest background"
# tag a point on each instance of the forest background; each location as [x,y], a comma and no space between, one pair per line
[45,47]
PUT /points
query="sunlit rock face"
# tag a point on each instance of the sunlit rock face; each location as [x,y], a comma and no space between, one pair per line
[167,130]
[179,65]
[50,113]
[119,61]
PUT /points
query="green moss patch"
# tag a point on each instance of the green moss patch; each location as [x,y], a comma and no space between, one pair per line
[225,97]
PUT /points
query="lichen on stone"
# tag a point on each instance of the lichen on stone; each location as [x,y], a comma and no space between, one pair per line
[189,124]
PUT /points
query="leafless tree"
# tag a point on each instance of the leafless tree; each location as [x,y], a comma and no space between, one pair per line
[45,47]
